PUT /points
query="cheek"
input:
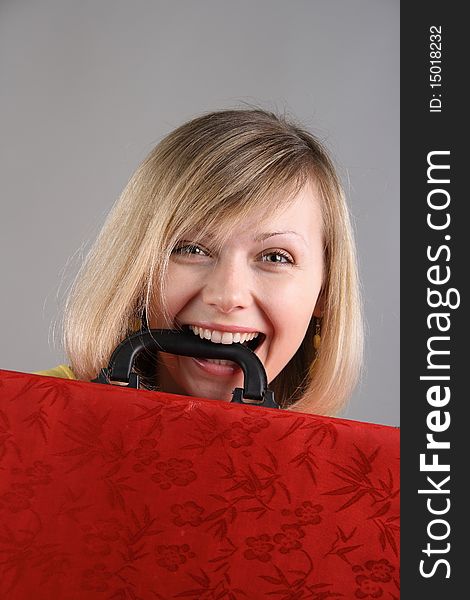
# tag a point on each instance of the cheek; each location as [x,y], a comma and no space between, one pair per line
[291,317]
[291,325]
[181,289]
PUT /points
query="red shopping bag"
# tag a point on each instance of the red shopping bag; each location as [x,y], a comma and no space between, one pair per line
[116,493]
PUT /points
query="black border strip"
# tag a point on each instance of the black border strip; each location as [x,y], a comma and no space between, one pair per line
[423,246]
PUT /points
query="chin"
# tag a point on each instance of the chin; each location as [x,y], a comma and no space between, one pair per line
[225,396]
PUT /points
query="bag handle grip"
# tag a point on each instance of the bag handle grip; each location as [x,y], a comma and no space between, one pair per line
[121,363]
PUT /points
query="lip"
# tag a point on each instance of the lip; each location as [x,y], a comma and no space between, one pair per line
[220,327]
[217,370]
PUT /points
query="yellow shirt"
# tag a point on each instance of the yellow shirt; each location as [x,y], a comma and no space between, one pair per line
[62,371]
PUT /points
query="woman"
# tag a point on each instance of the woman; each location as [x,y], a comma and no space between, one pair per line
[235,228]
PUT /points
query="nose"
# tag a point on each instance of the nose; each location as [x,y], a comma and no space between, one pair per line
[228,286]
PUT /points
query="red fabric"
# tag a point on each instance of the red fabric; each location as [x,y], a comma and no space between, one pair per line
[122,494]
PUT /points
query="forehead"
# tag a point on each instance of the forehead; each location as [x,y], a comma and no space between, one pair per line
[298,213]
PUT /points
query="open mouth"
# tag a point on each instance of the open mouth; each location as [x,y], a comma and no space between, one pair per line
[251,340]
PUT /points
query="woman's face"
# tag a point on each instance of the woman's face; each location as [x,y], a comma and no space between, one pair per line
[265,280]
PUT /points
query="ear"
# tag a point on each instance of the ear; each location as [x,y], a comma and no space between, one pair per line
[319,306]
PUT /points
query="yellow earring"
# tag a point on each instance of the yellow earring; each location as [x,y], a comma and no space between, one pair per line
[139,323]
[135,324]
[317,336]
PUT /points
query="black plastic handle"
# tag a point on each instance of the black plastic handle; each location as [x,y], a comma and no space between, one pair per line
[187,344]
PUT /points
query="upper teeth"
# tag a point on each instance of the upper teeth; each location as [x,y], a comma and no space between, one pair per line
[222,337]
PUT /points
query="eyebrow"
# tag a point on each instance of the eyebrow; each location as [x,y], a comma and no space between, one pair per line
[264,236]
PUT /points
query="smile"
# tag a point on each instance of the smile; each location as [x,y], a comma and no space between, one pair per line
[223,337]
[251,339]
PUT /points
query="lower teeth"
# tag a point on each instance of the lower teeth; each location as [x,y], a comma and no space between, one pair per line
[216,361]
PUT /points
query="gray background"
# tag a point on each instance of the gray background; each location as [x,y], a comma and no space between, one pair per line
[87,87]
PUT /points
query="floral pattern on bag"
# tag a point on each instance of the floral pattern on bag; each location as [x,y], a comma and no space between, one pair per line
[123,494]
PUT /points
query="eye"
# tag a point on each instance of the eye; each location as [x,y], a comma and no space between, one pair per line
[277,257]
[189,249]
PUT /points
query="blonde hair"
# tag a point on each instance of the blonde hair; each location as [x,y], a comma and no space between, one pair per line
[208,175]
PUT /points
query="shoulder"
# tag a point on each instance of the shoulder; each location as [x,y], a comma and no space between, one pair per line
[62,371]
